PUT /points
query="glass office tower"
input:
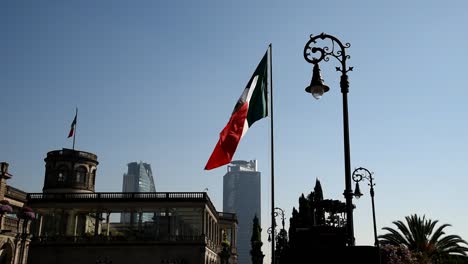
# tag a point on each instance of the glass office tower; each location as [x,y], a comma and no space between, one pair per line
[241,195]
[139,178]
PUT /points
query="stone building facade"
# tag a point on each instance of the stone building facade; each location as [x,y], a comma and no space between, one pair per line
[15,220]
[75,224]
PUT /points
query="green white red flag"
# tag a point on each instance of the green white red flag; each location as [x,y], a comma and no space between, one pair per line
[251,106]
[73,125]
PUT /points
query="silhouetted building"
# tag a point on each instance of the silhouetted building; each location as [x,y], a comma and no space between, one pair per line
[317,232]
[242,196]
[15,220]
[78,227]
[139,178]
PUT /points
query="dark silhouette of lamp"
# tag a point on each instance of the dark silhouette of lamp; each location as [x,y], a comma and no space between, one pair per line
[314,53]
[357,191]
[317,88]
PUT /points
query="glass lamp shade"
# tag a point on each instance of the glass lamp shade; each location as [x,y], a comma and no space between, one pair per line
[318,91]
[357,191]
[317,88]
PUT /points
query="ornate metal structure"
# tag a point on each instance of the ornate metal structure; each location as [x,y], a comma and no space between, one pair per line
[358,175]
[280,239]
[269,232]
[317,88]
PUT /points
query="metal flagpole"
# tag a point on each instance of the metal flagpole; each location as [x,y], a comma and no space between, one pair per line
[273,223]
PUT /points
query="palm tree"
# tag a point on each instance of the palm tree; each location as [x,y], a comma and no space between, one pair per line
[419,235]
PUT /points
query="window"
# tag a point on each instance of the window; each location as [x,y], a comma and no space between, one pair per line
[93,175]
[62,174]
[81,174]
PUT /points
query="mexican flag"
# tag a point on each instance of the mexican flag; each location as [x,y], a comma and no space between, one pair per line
[73,125]
[251,106]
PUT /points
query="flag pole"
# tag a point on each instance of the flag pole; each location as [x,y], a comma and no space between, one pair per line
[76,124]
[273,222]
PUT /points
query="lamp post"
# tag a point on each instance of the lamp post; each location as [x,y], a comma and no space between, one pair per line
[358,175]
[272,230]
[279,211]
[317,88]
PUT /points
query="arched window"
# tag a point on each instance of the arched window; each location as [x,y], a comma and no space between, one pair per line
[93,176]
[80,173]
[62,173]
[6,253]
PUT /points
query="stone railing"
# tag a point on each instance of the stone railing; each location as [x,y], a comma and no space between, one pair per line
[119,238]
[116,196]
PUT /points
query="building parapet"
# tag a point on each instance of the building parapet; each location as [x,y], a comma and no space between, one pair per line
[150,196]
[72,153]
[102,239]
[14,193]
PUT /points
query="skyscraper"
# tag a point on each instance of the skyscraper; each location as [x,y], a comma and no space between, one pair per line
[139,178]
[241,195]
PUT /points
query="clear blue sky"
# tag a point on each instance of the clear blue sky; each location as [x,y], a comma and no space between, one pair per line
[157,80]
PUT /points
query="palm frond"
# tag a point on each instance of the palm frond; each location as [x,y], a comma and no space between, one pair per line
[421,235]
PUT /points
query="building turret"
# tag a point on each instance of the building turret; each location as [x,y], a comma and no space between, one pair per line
[70,171]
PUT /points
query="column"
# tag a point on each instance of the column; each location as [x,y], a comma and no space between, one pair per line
[75,226]
[17,250]
[169,228]
[203,221]
[211,230]
[63,223]
[131,220]
[205,226]
[96,223]
[140,219]
[107,223]
[233,236]
[39,229]
[1,221]
[209,227]
[71,224]
[26,251]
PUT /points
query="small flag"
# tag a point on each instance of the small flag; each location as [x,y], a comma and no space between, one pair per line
[251,106]
[73,125]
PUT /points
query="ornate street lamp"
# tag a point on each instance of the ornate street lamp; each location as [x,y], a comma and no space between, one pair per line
[277,211]
[358,175]
[269,232]
[317,88]
[272,231]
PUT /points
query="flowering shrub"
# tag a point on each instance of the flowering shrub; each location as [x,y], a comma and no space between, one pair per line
[391,254]
[5,207]
[26,213]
